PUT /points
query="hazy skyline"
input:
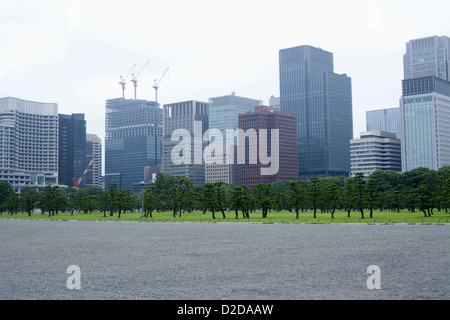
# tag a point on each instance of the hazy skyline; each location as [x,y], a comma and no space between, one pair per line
[73,52]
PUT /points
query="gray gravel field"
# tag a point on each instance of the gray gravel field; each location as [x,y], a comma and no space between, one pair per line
[233,261]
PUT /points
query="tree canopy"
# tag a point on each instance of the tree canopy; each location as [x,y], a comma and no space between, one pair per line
[419,189]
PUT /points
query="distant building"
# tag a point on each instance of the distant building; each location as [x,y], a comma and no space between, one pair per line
[224,115]
[384,120]
[28,143]
[191,117]
[322,101]
[429,56]
[71,148]
[150,173]
[287,162]
[425,104]
[133,140]
[425,111]
[93,177]
[375,150]
[274,102]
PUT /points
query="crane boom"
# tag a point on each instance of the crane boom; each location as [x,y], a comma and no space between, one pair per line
[76,183]
[156,84]
[123,80]
[135,76]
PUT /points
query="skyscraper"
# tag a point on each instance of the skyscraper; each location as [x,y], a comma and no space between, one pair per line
[224,115]
[428,56]
[384,120]
[285,160]
[71,148]
[132,141]
[28,143]
[322,101]
[425,104]
[190,117]
[425,111]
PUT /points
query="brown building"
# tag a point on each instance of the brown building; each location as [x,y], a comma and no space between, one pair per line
[269,118]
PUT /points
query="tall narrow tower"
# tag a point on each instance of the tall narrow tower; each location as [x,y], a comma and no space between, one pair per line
[322,101]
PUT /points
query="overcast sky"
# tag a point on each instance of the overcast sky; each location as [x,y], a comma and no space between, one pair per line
[73,52]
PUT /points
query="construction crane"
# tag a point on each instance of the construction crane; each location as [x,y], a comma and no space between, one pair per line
[156,85]
[134,78]
[123,80]
[76,183]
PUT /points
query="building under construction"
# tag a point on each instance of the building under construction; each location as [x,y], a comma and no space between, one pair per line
[133,134]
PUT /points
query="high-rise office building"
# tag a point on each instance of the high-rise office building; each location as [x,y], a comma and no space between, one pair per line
[384,120]
[71,148]
[425,111]
[322,101]
[285,160]
[223,116]
[191,117]
[425,104]
[375,150]
[93,177]
[132,141]
[28,143]
[428,56]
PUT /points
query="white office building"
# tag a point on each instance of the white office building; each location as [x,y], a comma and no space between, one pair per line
[375,150]
[28,143]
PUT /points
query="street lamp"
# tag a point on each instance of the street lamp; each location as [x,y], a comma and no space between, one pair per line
[142,198]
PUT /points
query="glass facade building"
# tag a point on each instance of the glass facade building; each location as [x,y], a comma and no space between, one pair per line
[224,111]
[425,103]
[224,114]
[71,148]
[133,140]
[384,120]
[322,102]
[185,115]
[425,111]
[428,56]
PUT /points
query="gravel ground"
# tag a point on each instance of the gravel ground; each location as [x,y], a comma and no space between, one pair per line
[232,261]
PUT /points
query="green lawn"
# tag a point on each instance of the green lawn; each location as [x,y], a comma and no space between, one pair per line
[283,216]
